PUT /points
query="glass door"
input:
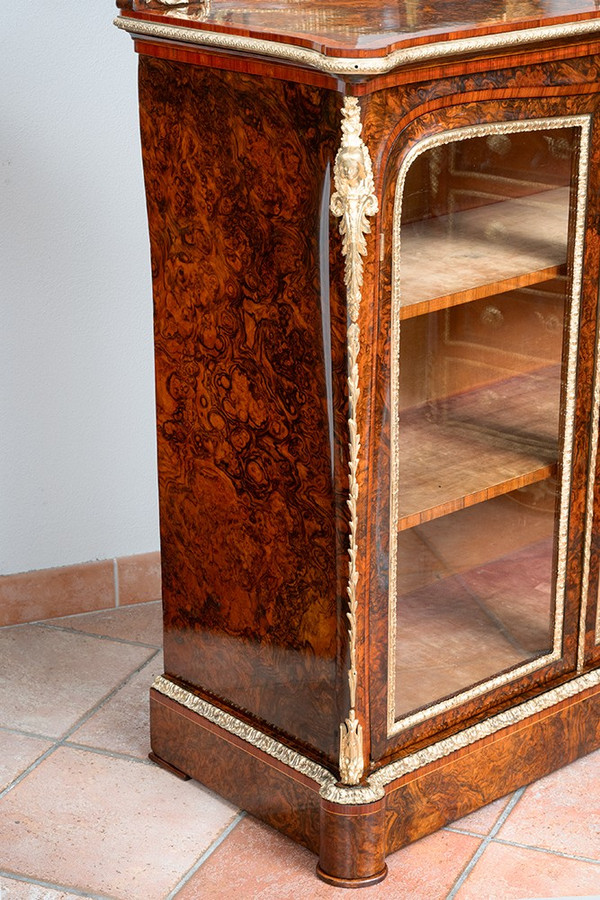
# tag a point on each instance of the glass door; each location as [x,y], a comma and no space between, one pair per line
[485,309]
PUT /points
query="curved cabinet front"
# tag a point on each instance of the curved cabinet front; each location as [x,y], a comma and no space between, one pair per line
[483,419]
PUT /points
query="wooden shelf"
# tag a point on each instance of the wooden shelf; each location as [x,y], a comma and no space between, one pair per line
[480,252]
[472,447]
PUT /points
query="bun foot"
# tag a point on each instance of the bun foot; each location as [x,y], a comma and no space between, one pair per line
[352,851]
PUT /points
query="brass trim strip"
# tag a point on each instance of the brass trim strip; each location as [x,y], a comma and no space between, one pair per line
[589,520]
[484,729]
[374,789]
[329,788]
[240,729]
[483,130]
[589,512]
[353,202]
[333,65]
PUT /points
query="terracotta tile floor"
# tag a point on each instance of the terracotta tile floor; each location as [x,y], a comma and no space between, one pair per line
[83,813]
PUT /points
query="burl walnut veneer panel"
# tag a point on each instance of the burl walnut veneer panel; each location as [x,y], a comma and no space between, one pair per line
[251,399]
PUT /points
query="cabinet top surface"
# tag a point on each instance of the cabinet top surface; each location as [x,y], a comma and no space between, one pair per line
[367,28]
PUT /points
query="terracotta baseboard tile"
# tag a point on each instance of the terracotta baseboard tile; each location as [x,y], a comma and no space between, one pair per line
[139,578]
[69,590]
[46,593]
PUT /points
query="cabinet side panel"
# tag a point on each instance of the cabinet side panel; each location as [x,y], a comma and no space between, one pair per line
[250,391]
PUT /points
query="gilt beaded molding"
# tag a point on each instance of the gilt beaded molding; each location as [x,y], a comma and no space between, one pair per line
[374,788]
[240,729]
[340,65]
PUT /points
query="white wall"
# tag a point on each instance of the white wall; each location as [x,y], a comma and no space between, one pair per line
[77,446]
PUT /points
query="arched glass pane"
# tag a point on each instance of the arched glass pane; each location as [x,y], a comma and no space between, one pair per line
[483,268]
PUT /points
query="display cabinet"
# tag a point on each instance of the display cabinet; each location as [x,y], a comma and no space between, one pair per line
[375,250]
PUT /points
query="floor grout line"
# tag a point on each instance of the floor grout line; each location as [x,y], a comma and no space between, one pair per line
[78,892]
[30,734]
[100,637]
[64,738]
[207,853]
[91,712]
[475,834]
[522,846]
[538,849]
[485,843]
[101,751]
[27,771]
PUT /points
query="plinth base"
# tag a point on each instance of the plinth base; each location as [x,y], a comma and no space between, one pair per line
[353,829]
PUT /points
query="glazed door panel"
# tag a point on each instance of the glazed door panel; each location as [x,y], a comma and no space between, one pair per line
[478,372]
[486,221]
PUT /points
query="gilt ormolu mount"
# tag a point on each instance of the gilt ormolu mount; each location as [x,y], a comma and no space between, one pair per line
[375,261]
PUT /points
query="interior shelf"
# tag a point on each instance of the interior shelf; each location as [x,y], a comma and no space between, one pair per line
[460,451]
[484,251]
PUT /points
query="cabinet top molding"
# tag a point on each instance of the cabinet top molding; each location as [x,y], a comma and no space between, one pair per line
[369,38]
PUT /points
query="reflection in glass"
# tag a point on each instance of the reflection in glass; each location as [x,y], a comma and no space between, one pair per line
[483,287]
